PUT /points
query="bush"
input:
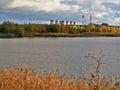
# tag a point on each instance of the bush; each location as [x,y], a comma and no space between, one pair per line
[19,31]
[73,30]
[54,28]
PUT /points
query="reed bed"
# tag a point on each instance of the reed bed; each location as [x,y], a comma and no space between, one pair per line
[25,78]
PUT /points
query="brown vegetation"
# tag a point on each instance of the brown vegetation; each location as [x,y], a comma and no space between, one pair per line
[26,79]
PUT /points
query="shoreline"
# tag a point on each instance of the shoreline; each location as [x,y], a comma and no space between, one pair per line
[91,34]
[78,35]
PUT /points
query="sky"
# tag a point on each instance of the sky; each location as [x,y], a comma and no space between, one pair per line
[42,11]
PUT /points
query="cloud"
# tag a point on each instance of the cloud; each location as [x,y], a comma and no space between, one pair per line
[106,1]
[4,3]
[100,14]
[114,21]
[75,8]
[45,10]
[39,5]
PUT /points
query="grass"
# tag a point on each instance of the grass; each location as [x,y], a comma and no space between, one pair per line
[87,34]
[7,35]
[26,78]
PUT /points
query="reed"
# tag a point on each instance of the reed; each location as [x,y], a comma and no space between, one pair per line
[25,78]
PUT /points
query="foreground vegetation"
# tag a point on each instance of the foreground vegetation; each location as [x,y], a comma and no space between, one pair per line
[26,79]
[10,29]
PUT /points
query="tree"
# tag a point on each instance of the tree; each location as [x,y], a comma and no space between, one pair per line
[19,31]
[105,24]
[54,28]
[82,29]
[28,28]
[102,28]
[7,27]
[90,28]
[73,30]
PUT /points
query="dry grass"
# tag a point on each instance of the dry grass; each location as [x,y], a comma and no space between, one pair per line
[26,79]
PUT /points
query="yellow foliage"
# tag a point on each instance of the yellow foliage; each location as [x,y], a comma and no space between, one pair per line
[26,79]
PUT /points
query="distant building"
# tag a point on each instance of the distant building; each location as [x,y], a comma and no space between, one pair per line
[52,22]
[71,23]
[62,22]
[74,23]
[57,22]
[67,22]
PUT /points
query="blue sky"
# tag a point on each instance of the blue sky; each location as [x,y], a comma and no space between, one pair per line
[42,11]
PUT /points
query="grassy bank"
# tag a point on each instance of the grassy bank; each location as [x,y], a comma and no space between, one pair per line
[62,35]
[27,79]
[7,35]
[78,35]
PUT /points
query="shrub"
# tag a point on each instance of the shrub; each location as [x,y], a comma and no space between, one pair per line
[54,28]
[73,30]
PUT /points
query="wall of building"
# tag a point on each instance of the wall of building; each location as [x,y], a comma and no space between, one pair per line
[63,22]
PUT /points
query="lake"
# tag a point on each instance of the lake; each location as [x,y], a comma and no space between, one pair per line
[66,54]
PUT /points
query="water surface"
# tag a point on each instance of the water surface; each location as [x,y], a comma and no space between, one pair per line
[67,54]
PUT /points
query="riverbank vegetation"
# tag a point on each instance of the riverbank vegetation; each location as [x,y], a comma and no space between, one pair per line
[10,29]
[27,79]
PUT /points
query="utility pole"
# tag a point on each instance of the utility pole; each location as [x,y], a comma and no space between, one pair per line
[83,20]
[90,19]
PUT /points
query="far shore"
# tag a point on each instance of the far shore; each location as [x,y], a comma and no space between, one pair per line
[13,30]
[88,34]
[91,34]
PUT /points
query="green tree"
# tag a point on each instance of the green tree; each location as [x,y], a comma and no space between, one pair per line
[54,28]
[28,28]
[7,27]
[73,30]
[19,31]
[105,24]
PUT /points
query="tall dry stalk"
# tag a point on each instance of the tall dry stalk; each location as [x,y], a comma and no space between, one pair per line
[100,82]
[97,64]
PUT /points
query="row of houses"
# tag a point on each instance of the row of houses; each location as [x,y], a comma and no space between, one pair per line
[62,22]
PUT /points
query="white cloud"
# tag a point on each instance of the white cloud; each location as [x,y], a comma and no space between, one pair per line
[114,21]
[85,11]
[100,14]
[103,1]
[4,3]
[76,8]
[39,5]
[112,1]
[73,8]
[99,7]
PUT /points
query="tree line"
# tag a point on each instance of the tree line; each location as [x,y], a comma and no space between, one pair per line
[20,30]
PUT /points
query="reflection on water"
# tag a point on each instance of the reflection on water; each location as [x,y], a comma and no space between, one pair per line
[67,54]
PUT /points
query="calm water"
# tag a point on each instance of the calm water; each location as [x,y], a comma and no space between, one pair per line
[67,54]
